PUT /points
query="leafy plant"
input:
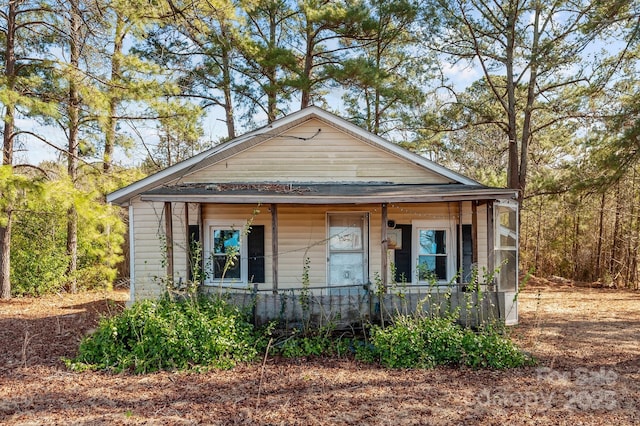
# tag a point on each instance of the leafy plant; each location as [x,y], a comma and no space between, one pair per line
[166,334]
[424,342]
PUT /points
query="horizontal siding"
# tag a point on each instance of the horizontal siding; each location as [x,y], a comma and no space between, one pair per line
[302,233]
[331,156]
[148,223]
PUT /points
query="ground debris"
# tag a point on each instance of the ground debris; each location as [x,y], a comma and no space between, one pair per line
[585,339]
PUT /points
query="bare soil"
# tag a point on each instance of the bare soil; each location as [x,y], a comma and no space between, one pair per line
[586,341]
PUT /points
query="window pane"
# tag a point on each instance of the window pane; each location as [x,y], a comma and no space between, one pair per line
[345,232]
[432,242]
[226,253]
[432,267]
[507,226]
[233,267]
[225,240]
[507,277]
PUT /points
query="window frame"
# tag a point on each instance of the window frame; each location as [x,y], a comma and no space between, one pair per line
[450,249]
[214,225]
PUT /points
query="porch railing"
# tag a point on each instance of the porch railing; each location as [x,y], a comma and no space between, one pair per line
[352,306]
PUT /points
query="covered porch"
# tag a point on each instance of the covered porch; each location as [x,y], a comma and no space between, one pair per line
[345,253]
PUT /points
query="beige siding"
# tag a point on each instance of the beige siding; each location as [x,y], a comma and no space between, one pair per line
[302,232]
[147,256]
[331,156]
[180,245]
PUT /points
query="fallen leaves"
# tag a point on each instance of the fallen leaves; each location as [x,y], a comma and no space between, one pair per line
[575,333]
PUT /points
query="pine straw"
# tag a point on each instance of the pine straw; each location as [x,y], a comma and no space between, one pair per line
[586,341]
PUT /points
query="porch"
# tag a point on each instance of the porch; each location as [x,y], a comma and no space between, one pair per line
[351,308]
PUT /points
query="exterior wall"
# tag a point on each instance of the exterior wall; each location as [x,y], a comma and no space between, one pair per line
[331,156]
[483,249]
[146,258]
[302,233]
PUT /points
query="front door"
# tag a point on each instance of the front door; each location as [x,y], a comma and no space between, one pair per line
[348,248]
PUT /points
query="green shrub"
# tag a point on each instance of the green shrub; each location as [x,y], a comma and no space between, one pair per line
[208,332]
[166,334]
[491,348]
[422,342]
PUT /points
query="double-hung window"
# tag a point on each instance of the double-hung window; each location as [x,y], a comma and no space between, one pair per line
[234,254]
[434,252]
[226,255]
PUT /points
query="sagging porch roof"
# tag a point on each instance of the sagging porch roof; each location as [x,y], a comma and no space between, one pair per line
[314,193]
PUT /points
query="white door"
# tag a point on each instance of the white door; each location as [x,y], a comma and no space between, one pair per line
[347,254]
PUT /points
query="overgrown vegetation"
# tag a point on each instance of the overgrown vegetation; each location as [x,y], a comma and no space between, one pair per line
[171,334]
[426,342]
[204,332]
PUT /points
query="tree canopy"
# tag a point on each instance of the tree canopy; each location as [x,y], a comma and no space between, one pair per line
[540,96]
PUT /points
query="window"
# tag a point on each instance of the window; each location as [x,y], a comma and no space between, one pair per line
[506,244]
[233,255]
[434,252]
[227,261]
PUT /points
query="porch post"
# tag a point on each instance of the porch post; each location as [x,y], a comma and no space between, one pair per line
[474,232]
[201,231]
[187,241]
[490,239]
[274,246]
[168,232]
[385,245]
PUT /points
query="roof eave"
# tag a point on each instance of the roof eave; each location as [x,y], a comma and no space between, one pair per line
[477,195]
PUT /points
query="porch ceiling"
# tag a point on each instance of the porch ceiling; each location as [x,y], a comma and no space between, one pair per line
[313,193]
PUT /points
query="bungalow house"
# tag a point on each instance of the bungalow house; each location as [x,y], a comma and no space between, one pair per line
[314,203]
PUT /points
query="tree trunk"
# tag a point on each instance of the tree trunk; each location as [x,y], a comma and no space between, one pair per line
[271,71]
[598,274]
[613,264]
[528,110]
[110,134]
[576,237]
[5,259]
[513,172]
[305,99]
[7,147]
[74,127]
[536,263]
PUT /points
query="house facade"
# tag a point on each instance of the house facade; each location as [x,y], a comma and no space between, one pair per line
[313,202]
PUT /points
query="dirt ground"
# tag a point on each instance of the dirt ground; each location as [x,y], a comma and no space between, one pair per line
[586,341]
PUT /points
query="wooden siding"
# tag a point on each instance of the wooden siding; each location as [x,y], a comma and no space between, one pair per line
[331,156]
[302,233]
[482,239]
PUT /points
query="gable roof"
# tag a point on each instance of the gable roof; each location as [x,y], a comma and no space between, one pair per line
[225,150]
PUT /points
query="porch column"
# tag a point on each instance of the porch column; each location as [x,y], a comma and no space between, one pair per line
[490,239]
[274,246]
[384,270]
[201,232]
[187,241]
[168,232]
[474,232]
